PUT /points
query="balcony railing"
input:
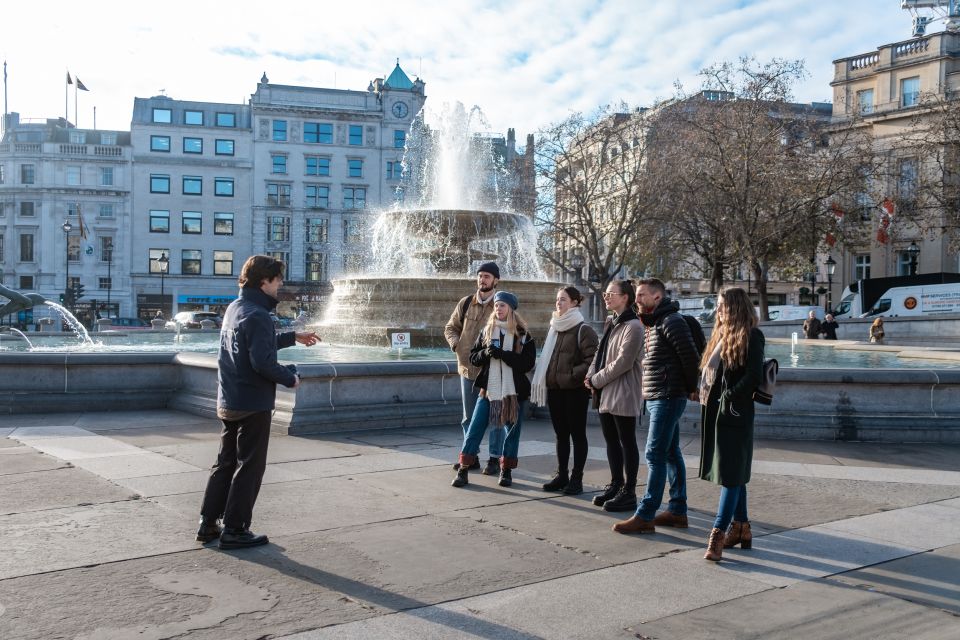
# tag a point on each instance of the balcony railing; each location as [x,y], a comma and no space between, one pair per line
[74,149]
[911,48]
[863,62]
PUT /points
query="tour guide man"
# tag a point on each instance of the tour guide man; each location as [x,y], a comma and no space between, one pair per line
[247,383]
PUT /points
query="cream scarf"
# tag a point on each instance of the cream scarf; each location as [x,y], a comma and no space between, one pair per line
[500,390]
[558,324]
[709,374]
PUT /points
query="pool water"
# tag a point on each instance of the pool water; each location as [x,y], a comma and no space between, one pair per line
[820,356]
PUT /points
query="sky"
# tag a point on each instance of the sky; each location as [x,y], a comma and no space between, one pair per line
[525,63]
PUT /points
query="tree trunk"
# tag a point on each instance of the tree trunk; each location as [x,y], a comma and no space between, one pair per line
[760,275]
[716,277]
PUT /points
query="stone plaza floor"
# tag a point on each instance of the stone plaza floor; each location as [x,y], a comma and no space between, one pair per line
[98,513]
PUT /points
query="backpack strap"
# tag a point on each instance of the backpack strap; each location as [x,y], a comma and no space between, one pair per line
[464,305]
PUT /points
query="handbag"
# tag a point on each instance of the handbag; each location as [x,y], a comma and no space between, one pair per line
[763,394]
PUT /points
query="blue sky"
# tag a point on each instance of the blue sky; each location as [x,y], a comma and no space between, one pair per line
[526,63]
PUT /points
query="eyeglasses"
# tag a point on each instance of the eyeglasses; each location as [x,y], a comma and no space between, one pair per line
[610,294]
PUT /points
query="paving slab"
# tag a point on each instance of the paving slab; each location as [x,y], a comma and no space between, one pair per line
[142,463]
[141,419]
[817,609]
[925,578]
[19,459]
[927,526]
[63,487]
[280,449]
[371,463]
[72,443]
[194,481]
[169,435]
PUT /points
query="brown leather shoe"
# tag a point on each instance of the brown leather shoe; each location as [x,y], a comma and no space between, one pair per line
[714,546]
[635,524]
[738,533]
[669,519]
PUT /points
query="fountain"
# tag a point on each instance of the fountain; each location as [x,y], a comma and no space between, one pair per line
[21,301]
[456,213]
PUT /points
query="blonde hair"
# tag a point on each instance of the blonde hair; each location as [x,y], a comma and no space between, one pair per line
[732,332]
[878,322]
[515,325]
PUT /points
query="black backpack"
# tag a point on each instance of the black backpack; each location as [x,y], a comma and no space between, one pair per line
[699,339]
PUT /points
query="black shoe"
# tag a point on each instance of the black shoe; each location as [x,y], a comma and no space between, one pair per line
[476,464]
[456,466]
[609,492]
[240,539]
[626,500]
[460,479]
[559,481]
[208,531]
[492,468]
[575,485]
[506,478]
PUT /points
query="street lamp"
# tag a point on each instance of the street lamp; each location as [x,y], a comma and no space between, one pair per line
[813,280]
[831,269]
[576,261]
[67,228]
[163,263]
[913,252]
[108,250]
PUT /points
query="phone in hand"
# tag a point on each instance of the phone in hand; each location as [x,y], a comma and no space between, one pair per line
[495,343]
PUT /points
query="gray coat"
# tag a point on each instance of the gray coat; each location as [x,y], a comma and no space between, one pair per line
[620,378]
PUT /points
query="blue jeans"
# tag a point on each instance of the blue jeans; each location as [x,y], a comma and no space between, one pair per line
[664,459]
[507,436]
[733,505]
[469,396]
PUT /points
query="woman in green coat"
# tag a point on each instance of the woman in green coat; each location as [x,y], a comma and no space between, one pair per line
[732,367]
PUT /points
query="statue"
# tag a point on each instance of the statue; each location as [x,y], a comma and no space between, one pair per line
[19,301]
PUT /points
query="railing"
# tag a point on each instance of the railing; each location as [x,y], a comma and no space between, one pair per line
[112,151]
[27,147]
[74,149]
[863,62]
[911,48]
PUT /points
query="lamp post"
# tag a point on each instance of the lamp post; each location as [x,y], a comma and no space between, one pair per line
[831,269]
[576,261]
[67,228]
[913,251]
[813,280]
[163,262]
[109,256]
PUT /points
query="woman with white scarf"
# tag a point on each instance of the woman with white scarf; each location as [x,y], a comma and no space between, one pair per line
[558,384]
[505,352]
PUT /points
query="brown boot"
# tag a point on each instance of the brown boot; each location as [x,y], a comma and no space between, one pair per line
[714,546]
[669,519]
[739,533]
[635,524]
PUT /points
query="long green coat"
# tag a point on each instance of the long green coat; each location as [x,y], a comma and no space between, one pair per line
[726,436]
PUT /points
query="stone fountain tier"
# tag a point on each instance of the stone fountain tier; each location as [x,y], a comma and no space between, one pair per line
[369,309]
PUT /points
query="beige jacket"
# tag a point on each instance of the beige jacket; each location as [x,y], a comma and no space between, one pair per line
[461,334]
[620,380]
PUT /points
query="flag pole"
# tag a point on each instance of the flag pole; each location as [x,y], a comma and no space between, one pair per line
[66,101]
[76,118]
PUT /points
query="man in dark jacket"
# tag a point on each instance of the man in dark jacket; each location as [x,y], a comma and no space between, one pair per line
[248,374]
[670,376]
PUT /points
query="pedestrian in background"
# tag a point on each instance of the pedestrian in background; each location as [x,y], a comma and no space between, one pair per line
[811,326]
[829,327]
[876,331]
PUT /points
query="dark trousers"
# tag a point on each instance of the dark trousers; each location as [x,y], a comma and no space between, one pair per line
[623,454]
[568,413]
[235,478]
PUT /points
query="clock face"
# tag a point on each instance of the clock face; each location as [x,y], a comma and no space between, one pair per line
[400,109]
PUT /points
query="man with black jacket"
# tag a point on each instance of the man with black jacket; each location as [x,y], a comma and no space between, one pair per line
[670,376]
[247,383]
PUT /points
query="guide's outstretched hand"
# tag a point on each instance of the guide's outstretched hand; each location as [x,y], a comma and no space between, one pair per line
[308,338]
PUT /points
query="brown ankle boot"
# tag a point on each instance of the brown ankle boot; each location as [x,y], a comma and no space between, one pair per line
[739,533]
[714,546]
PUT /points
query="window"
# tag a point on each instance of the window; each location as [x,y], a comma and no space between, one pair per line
[154,259]
[910,91]
[26,247]
[223,263]
[352,231]
[160,143]
[159,221]
[280,130]
[394,169]
[163,116]
[73,176]
[223,187]
[193,145]
[28,209]
[106,210]
[192,185]
[78,137]
[316,264]
[355,168]
[278,194]
[356,135]
[399,139]
[282,256]
[907,179]
[106,176]
[192,222]
[316,196]
[316,229]
[279,163]
[193,117]
[224,147]
[108,138]
[26,282]
[222,223]
[318,132]
[354,198]
[73,282]
[104,284]
[1,174]
[278,228]
[1,248]
[903,263]
[226,119]
[159,183]
[106,248]
[317,166]
[27,175]
[861,266]
[865,101]
[190,261]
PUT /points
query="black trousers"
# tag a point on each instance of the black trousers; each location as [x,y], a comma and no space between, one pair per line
[568,413]
[623,455]
[235,478]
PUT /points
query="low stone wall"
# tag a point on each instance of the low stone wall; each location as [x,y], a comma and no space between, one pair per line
[909,405]
[933,330]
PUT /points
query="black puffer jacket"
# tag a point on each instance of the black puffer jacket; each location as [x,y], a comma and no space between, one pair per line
[670,361]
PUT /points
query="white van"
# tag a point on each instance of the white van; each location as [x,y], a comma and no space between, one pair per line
[794,312]
[917,301]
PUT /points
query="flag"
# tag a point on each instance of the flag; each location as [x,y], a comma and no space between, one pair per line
[69,81]
[80,86]
[83,227]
